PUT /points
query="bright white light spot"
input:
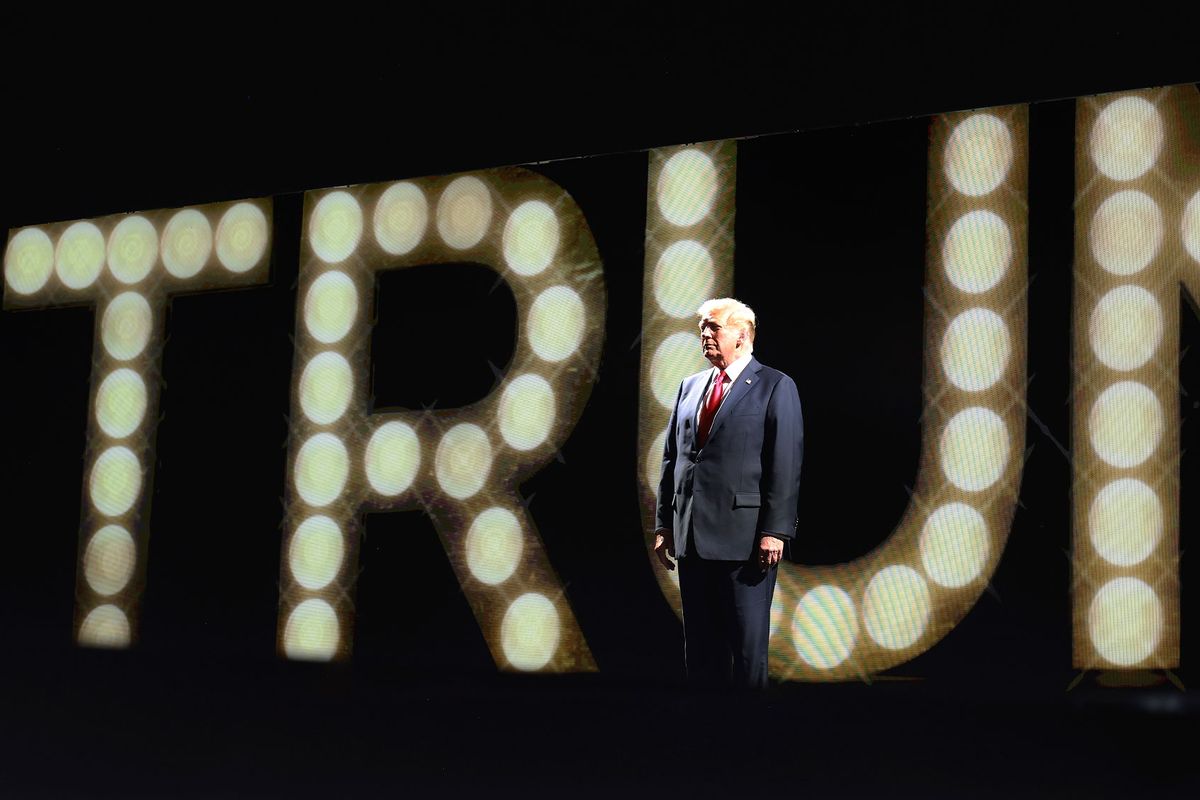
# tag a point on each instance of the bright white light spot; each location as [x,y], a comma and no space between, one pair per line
[79,255]
[132,249]
[676,358]
[974,449]
[105,626]
[121,403]
[654,461]
[1126,232]
[464,212]
[1125,621]
[126,325]
[1127,138]
[977,251]
[1125,522]
[187,242]
[242,237]
[335,227]
[321,469]
[1126,424]
[29,260]
[401,216]
[529,632]
[326,386]
[954,545]
[116,481]
[556,323]
[978,154]
[683,278]
[1126,327]
[109,559]
[687,187]
[316,551]
[494,546]
[824,626]
[527,411]
[312,631]
[463,460]
[896,607]
[392,458]
[975,349]
[330,307]
[531,238]
[1191,226]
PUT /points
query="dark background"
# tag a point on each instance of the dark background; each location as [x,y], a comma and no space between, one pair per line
[203,707]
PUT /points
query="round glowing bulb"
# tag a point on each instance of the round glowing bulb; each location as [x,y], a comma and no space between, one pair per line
[974,449]
[121,403]
[687,187]
[1126,232]
[330,307]
[187,242]
[977,251]
[1126,424]
[530,238]
[975,349]
[954,545]
[676,358]
[824,626]
[242,236]
[29,260]
[335,227]
[683,278]
[109,559]
[654,460]
[79,255]
[1125,621]
[494,546]
[326,386]
[132,249]
[896,607]
[316,552]
[401,217]
[1191,226]
[116,481]
[464,212]
[463,460]
[527,411]
[105,626]
[312,631]
[978,154]
[556,323]
[1126,138]
[392,458]
[322,467]
[529,632]
[1125,522]
[1126,327]
[126,326]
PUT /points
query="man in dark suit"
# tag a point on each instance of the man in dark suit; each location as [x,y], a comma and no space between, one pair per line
[727,498]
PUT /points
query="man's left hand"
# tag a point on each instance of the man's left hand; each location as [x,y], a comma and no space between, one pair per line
[770,552]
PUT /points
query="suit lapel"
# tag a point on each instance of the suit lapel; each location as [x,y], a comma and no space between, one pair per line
[737,390]
[689,407]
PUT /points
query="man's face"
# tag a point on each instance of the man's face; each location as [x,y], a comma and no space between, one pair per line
[722,344]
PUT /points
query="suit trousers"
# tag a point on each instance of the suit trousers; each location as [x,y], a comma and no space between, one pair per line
[726,621]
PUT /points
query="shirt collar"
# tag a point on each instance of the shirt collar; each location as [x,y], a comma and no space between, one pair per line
[734,369]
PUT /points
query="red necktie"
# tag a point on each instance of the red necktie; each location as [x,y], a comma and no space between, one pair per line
[710,408]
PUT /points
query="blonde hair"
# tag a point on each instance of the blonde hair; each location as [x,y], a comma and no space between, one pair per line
[731,313]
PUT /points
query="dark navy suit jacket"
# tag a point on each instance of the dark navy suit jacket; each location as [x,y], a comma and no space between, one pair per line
[745,481]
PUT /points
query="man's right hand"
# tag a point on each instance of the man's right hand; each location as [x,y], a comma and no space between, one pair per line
[664,544]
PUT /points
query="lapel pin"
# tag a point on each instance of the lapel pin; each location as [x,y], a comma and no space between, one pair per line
[747,381]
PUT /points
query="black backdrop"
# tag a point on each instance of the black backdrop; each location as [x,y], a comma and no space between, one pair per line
[203,705]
